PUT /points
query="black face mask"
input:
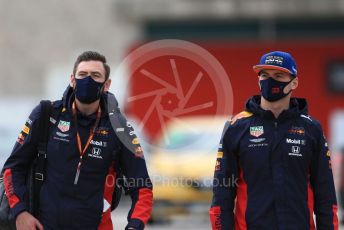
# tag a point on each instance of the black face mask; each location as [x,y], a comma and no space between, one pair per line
[272,90]
[88,90]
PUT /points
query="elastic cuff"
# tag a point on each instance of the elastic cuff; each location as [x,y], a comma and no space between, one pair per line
[17,209]
[136,224]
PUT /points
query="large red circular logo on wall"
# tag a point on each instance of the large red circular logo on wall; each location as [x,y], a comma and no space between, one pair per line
[172,79]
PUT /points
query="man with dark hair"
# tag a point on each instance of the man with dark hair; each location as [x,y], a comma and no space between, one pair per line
[273,168]
[92,56]
[84,155]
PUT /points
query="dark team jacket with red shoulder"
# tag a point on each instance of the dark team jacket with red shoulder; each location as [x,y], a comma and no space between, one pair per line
[273,173]
[85,205]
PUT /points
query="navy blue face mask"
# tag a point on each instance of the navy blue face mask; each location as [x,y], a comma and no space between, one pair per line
[88,90]
[272,90]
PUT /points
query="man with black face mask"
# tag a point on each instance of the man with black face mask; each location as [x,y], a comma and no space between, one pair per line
[85,154]
[273,167]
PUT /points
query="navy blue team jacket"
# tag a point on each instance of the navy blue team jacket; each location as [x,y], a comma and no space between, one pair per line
[85,205]
[273,173]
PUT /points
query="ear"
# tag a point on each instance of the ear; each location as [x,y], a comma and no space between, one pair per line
[294,83]
[72,81]
[107,85]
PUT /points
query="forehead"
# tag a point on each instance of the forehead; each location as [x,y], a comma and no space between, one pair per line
[91,66]
[274,72]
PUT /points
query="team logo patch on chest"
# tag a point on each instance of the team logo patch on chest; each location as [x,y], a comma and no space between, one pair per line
[256,131]
[295,141]
[295,151]
[63,126]
[102,131]
[96,153]
[297,130]
[98,143]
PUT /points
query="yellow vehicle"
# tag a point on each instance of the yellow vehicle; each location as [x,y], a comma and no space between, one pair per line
[182,164]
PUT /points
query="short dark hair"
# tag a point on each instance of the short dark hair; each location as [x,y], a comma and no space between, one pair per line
[92,56]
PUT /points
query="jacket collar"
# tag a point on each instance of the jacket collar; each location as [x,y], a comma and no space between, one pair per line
[297,107]
[107,100]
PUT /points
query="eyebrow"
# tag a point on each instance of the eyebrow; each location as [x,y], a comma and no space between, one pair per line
[278,73]
[94,72]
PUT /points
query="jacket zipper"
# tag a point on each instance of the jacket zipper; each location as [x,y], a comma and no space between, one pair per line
[276,129]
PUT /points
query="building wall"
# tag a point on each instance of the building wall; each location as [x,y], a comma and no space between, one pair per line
[39,36]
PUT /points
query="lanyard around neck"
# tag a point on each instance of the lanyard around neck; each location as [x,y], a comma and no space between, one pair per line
[78,139]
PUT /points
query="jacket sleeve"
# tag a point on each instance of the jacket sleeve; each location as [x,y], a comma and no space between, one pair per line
[224,187]
[138,183]
[17,165]
[321,179]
